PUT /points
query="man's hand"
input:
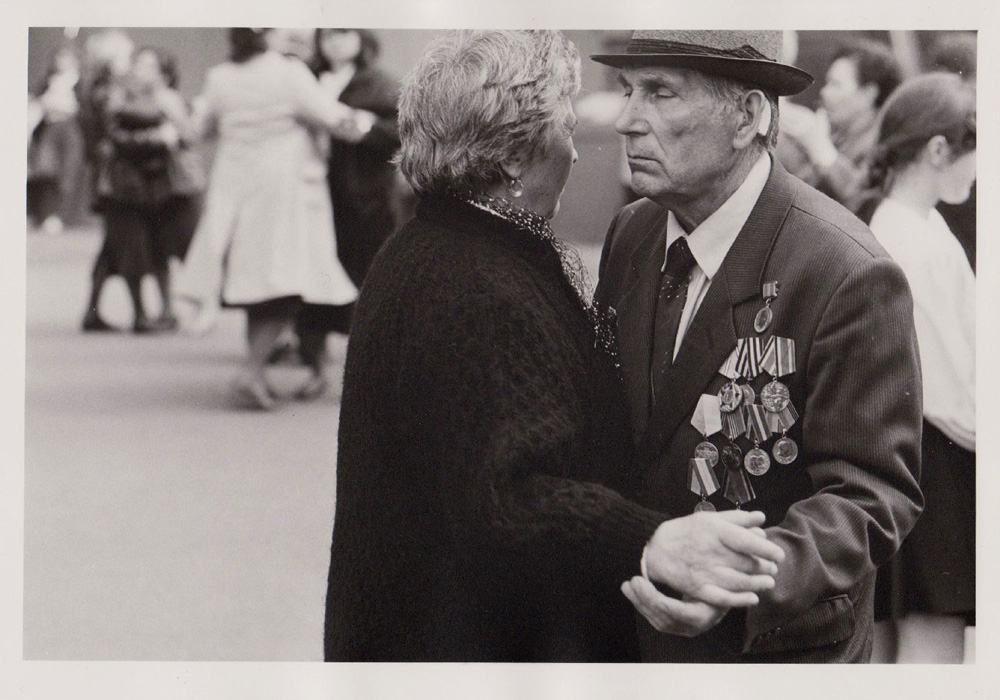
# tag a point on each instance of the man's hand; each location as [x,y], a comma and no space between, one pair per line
[685,618]
[723,559]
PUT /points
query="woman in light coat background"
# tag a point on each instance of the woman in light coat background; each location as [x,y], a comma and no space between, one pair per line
[265,242]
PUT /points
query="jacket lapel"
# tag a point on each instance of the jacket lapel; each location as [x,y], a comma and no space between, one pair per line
[712,334]
[635,314]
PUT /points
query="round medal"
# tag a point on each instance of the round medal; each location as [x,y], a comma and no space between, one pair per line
[749,395]
[730,397]
[704,506]
[731,457]
[785,450]
[757,462]
[762,320]
[775,397]
[708,451]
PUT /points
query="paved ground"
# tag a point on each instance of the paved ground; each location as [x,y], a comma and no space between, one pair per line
[159,523]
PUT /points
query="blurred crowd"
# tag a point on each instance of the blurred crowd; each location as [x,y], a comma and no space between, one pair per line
[302,125]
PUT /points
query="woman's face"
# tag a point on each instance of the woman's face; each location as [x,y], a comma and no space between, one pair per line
[956,178]
[545,176]
[340,46]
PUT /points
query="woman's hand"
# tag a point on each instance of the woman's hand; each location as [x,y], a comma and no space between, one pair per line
[685,618]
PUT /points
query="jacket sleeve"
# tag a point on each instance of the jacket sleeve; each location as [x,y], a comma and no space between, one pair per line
[505,387]
[861,435]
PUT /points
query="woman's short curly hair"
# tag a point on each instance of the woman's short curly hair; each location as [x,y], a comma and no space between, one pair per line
[479,98]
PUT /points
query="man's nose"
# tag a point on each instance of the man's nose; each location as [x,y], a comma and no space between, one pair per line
[630,120]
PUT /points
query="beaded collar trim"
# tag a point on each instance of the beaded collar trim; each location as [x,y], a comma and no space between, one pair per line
[519,217]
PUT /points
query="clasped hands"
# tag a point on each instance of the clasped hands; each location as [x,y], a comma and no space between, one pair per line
[716,561]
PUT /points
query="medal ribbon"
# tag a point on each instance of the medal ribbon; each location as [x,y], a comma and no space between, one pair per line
[733,424]
[703,479]
[757,426]
[784,420]
[738,489]
[779,356]
[748,359]
[728,368]
[707,418]
[770,290]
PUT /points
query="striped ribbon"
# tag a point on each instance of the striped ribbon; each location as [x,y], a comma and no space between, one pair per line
[757,426]
[703,480]
[784,420]
[770,290]
[733,424]
[728,368]
[748,360]
[778,356]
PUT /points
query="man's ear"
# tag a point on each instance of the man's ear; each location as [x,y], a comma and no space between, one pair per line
[755,119]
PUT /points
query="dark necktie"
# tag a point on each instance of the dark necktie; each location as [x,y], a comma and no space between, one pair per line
[669,307]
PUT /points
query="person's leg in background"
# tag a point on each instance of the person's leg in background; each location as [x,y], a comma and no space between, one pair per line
[265,323]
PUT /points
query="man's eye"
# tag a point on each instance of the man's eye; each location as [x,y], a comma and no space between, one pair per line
[664,93]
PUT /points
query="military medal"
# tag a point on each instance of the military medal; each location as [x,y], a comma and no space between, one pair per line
[775,396]
[708,452]
[762,321]
[779,360]
[749,395]
[785,450]
[707,420]
[730,397]
[737,489]
[732,457]
[703,481]
[757,462]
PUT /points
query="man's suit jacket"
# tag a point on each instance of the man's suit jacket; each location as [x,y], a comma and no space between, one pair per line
[845,505]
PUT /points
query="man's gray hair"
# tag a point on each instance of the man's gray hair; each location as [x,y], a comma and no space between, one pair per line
[479,98]
[731,92]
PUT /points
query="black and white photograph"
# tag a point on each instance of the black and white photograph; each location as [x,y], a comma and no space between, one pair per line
[551,350]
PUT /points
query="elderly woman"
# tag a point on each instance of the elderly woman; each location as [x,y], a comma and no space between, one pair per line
[482,430]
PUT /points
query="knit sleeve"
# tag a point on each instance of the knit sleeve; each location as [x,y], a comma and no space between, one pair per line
[503,382]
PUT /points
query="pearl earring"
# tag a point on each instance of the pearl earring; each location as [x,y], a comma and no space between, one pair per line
[516,187]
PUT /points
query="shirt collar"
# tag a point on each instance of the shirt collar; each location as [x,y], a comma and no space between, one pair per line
[712,239]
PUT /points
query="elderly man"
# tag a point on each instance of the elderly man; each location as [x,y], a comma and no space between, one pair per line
[767,346]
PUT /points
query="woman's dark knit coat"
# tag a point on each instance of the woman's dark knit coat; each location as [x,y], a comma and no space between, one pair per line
[481,435]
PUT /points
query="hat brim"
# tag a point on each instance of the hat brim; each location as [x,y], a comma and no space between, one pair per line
[778,78]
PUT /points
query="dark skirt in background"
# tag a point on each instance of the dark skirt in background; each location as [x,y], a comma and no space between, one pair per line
[935,570]
[140,239]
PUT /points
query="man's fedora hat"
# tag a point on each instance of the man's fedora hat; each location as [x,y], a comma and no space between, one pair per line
[750,57]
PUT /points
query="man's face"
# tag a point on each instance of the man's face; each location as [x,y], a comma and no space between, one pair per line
[843,98]
[679,134]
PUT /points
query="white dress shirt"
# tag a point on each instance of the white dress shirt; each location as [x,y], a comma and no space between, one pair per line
[944,309]
[712,239]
